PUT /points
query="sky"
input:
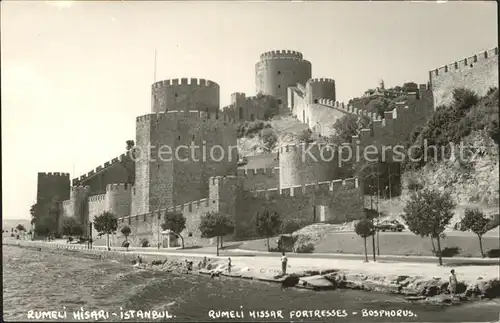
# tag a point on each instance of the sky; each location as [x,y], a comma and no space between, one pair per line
[76,74]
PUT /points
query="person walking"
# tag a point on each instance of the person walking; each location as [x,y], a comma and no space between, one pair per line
[284,261]
[453,283]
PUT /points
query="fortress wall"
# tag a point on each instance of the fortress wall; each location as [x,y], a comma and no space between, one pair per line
[183,176]
[478,73]
[50,186]
[67,208]
[340,200]
[185,94]
[118,199]
[146,226]
[96,206]
[307,163]
[317,88]
[321,118]
[259,178]
[142,165]
[299,106]
[118,170]
[277,70]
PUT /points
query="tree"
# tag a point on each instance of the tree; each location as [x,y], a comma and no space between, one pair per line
[20,227]
[71,227]
[410,87]
[126,231]
[365,228]
[130,144]
[346,127]
[474,220]
[268,225]
[427,213]
[216,225]
[305,136]
[175,222]
[106,223]
[269,139]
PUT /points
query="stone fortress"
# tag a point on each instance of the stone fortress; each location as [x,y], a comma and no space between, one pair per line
[138,190]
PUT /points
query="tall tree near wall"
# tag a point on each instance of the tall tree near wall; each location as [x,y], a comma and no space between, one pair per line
[176,223]
[107,224]
[216,225]
[365,228]
[474,220]
[427,213]
[268,224]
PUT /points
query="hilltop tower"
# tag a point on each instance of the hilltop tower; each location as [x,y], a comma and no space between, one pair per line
[320,88]
[185,94]
[178,150]
[277,70]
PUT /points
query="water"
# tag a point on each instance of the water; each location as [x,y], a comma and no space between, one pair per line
[43,281]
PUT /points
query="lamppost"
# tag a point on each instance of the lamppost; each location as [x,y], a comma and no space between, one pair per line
[90,235]
[159,218]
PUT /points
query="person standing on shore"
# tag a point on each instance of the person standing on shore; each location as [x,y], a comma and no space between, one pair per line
[229,265]
[453,283]
[284,261]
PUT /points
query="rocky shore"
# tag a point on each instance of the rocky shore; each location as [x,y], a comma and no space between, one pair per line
[430,290]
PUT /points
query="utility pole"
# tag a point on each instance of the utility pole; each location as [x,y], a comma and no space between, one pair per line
[378,202]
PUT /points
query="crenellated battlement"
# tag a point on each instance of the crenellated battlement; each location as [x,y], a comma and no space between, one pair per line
[281,54]
[118,187]
[53,174]
[303,146]
[329,188]
[97,198]
[186,81]
[250,172]
[321,80]
[195,114]
[465,63]
[80,188]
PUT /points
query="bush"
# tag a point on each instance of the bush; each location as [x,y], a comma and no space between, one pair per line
[449,252]
[70,239]
[250,128]
[305,248]
[290,226]
[144,243]
[493,253]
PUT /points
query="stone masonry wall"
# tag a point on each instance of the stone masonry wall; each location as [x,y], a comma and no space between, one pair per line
[478,73]
[341,200]
[259,178]
[117,170]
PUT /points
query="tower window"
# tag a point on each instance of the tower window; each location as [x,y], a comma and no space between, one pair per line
[315,100]
[193,137]
[176,95]
[279,101]
[279,86]
[179,138]
[279,72]
[190,234]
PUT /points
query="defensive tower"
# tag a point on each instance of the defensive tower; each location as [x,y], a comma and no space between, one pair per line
[279,69]
[185,94]
[177,152]
[320,88]
[307,163]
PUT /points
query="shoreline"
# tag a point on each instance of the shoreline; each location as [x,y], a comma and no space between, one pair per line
[424,290]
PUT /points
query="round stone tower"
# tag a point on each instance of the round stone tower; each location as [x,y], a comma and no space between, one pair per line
[306,164]
[320,88]
[185,95]
[277,70]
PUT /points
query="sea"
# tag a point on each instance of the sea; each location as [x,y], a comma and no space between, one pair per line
[44,286]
